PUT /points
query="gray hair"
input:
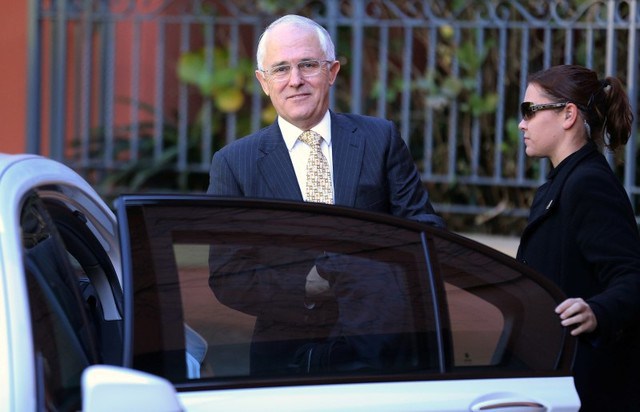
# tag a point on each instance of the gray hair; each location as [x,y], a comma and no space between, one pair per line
[299,21]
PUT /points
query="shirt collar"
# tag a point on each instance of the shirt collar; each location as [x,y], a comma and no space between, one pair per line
[290,133]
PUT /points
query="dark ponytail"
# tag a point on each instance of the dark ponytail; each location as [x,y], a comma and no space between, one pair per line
[612,113]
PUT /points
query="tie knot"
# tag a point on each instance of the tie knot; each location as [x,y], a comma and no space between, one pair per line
[311,138]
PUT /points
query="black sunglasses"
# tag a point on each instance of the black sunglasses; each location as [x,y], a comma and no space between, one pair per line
[528,109]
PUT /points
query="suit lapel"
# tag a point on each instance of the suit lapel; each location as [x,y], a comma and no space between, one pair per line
[347,151]
[274,164]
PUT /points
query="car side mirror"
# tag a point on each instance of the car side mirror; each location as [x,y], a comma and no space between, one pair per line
[112,388]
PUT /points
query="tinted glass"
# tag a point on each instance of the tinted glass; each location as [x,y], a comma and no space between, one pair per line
[501,315]
[220,293]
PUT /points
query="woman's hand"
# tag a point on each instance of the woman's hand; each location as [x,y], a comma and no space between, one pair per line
[576,312]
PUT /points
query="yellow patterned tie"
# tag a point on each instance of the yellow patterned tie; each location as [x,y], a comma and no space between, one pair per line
[319,187]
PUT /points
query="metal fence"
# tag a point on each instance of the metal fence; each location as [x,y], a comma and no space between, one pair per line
[140,94]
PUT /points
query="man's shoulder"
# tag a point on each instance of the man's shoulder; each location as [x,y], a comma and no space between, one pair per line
[250,140]
[359,118]
[365,126]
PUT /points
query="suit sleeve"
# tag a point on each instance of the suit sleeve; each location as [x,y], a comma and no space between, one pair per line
[222,181]
[408,196]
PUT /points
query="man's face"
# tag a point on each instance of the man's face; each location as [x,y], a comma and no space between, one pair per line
[301,100]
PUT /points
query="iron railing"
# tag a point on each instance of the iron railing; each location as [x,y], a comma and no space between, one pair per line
[105,94]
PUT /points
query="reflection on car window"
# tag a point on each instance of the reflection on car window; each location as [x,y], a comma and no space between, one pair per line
[499,317]
[242,288]
[63,340]
[226,293]
[226,332]
[476,326]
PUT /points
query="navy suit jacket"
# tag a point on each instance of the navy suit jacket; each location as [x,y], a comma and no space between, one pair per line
[372,169]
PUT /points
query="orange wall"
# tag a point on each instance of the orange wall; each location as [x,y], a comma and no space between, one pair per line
[14,22]
[13,75]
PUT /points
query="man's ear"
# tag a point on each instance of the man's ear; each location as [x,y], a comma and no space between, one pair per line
[333,71]
[263,82]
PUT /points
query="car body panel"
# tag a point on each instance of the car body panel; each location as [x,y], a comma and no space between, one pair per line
[20,174]
[542,394]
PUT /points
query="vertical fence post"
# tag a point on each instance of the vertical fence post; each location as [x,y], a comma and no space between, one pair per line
[441,123]
[630,180]
[58,95]
[34,85]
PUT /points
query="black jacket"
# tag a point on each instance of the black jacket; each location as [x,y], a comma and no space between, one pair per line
[582,234]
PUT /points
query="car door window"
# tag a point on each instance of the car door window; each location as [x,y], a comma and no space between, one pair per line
[64,340]
[500,313]
[219,291]
[226,288]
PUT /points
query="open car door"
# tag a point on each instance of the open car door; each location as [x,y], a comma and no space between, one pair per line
[219,294]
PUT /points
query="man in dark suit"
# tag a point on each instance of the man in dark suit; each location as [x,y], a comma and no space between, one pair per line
[370,166]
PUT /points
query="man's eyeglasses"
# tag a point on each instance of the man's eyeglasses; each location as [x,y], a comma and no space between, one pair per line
[306,68]
[528,109]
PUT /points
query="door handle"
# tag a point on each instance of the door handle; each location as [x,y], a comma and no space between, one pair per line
[509,405]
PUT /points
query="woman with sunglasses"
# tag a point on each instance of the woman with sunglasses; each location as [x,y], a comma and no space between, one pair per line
[582,232]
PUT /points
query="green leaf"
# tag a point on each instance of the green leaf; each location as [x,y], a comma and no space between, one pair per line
[192,70]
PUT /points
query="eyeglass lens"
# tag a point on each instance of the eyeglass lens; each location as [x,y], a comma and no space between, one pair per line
[306,68]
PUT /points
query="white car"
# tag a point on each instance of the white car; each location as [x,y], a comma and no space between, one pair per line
[197,303]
